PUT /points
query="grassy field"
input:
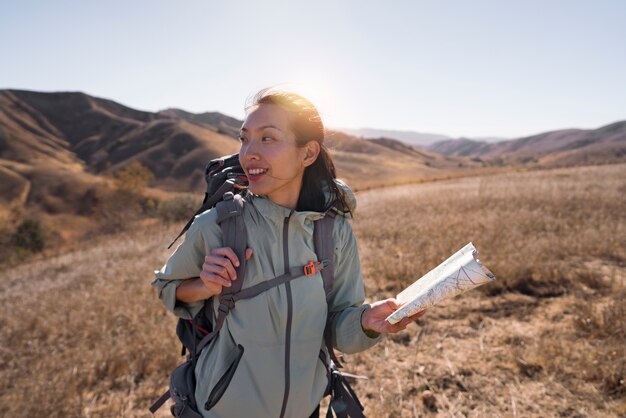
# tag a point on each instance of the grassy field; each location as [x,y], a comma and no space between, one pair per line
[82,334]
[547,339]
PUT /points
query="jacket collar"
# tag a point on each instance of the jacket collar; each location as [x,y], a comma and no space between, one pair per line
[271,210]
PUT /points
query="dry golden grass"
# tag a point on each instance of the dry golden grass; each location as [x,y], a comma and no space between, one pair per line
[547,339]
[82,334]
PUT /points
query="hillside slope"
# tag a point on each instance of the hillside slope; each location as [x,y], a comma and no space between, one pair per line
[606,144]
[55,146]
[375,163]
[73,138]
[408,137]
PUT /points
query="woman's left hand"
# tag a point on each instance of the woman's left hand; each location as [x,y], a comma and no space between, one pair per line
[373,318]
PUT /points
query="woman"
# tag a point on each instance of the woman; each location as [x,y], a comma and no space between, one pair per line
[279,332]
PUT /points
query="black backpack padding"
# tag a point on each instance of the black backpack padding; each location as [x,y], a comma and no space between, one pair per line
[221,175]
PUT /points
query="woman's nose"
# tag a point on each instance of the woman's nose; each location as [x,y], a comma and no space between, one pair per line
[249,151]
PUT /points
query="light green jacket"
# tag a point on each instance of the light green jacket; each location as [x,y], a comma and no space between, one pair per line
[259,324]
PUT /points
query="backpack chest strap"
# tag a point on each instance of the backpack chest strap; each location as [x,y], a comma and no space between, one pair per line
[227,300]
[294,273]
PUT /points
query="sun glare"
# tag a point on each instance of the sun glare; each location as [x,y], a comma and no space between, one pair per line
[320,94]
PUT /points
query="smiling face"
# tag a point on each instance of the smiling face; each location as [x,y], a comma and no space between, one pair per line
[270,156]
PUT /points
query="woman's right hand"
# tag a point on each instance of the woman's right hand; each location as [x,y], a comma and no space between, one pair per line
[218,270]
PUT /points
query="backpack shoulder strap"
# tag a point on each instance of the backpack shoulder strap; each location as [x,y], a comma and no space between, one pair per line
[343,400]
[324,248]
[230,220]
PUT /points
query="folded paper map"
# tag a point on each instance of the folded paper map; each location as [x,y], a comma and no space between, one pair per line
[459,273]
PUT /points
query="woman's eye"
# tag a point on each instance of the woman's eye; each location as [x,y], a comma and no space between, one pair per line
[241,138]
[267,139]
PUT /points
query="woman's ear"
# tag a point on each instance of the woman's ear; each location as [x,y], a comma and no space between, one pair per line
[311,151]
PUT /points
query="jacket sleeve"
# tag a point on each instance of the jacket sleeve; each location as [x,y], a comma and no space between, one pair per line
[186,263]
[348,294]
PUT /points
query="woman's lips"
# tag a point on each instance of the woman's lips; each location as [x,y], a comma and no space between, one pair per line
[254,177]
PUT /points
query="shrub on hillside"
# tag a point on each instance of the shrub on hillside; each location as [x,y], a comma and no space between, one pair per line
[117,206]
[29,236]
[134,177]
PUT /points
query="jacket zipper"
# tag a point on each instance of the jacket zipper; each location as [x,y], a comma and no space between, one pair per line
[289,313]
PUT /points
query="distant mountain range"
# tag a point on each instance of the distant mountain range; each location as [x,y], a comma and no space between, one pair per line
[409,137]
[55,147]
[606,144]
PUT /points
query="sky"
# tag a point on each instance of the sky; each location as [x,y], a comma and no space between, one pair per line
[477,68]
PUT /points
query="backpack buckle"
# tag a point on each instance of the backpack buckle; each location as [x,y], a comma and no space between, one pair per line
[313,267]
[227,302]
[309,269]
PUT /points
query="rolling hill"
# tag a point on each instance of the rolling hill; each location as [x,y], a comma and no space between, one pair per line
[56,133]
[55,147]
[417,139]
[606,144]
[408,137]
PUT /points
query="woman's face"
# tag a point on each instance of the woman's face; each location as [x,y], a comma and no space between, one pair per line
[270,156]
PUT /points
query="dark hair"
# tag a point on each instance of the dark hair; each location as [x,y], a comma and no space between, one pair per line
[319,191]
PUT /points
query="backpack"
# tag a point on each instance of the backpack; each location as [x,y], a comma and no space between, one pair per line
[226,182]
